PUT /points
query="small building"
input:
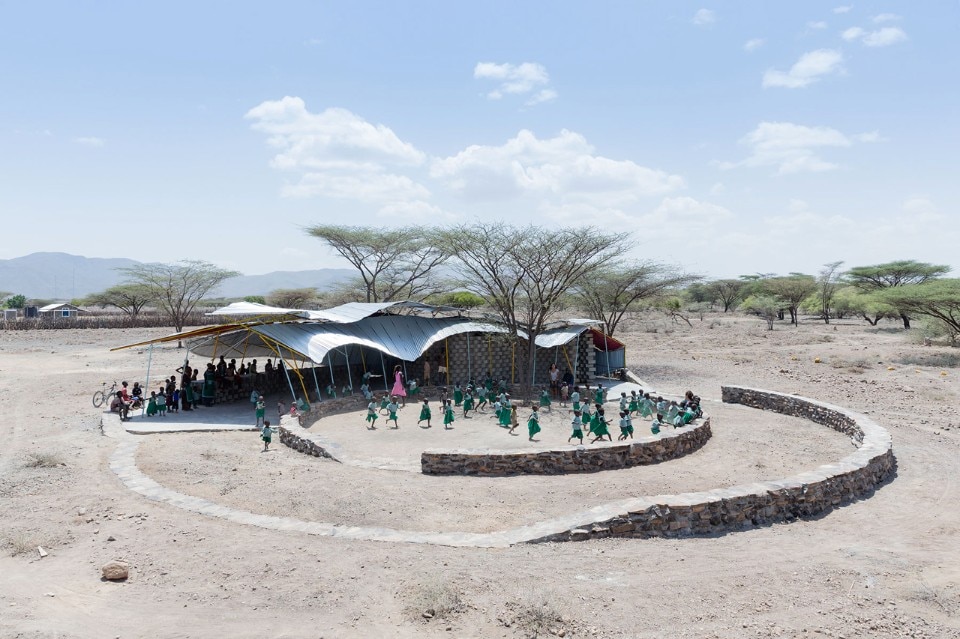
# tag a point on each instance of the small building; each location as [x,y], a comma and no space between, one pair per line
[61,309]
[10,315]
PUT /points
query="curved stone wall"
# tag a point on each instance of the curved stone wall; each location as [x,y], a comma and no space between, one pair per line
[855,476]
[670,444]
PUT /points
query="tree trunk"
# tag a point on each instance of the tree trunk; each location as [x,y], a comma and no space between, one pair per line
[906,320]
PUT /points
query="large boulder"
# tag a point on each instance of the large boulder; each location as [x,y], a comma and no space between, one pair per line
[115,570]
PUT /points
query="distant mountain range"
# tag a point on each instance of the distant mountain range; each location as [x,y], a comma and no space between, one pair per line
[61,277]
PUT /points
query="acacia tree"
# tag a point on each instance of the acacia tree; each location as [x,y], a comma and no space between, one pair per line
[766,306]
[828,281]
[17,301]
[176,288]
[894,274]
[292,297]
[524,273]
[129,298]
[729,292]
[394,264]
[939,299]
[791,289]
[616,288]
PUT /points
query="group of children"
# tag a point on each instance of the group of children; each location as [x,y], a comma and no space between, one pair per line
[166,397]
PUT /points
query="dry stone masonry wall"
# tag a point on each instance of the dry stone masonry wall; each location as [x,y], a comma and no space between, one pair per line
[670,444]
[811,493]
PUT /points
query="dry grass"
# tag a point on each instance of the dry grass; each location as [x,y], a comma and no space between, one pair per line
[20,543]
[538,615]
[44,460]
[437,600]
[933,360]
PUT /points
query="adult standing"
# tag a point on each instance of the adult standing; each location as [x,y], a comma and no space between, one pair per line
[554,381]
[426,371]
[209,385]
[398,386]
[186,398]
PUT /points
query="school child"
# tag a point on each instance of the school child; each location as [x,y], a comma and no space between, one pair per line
[502,385]
[412,388]
[457,394]
[575,398]
[443,396]
[545,398]
[626,426]
[346,390]
[266,435]
[514,420]
[173,401]
[497,409]
[448,416]
[564,395]
[505,411]
[365,389]
[425,413]
[488,383]
[161,403]
[634,405]
[467,402]
[598,425]
[577,426]
[331,391]
[533,423]
[392,409]
[152,404]
[372,414]
[662,405]
[260,410]
[647,407]
[254,396]
[677,421]
[384,404]
[481,397]
[672,412]
[624,402]
[586,416]
[599,396]
[656,424]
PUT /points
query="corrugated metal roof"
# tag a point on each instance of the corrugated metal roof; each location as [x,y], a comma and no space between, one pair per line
[252,308]
[406,337]
[558,336]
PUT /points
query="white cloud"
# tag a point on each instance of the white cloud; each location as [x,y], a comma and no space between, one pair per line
[704,17]
[880,38]
[337,154]
[853,33]
[332,139]
[808,69]
[886,17]
[519,79]
[817,25]
[842,9]
[884,37]
[791,148]
[564,167]
[870,136]
[717,188]
[920,210]
[90,141]
[753,44]
[416,211]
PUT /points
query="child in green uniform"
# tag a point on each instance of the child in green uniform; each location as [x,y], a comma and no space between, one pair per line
[623,402]
[599,426]
[384,402]
[260,410]
[634,405]
[575,398]
[372,415]
[497,409]
[545,398]
[392,409]
[152,404]
[468,401]
[481,397]
[514,420]
[266,435]
[646,406]
[412,388]
[577,426]
[626,426]
[505,412]
[425,414]
[599,395]
[161,403]
[448,416]
[457,394]
[533,423]
[656,424]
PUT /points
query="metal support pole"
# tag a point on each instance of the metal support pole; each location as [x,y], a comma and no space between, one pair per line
[576,360]
[469,362]
[349,373]
[147,387]
[606,348]
[286,372]
[383,367]
[316,382]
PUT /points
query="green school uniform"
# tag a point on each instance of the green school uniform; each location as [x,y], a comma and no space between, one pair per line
[533,424]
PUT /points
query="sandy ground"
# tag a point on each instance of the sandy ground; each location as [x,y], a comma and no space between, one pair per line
[882,567]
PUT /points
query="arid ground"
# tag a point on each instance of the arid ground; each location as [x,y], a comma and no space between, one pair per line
[884,566]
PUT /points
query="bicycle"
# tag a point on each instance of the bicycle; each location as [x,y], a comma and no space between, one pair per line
[104,396]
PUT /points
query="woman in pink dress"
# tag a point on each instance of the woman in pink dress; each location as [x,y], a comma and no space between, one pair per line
[398,385]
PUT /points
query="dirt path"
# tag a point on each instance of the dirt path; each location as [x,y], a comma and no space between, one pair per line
[886,566]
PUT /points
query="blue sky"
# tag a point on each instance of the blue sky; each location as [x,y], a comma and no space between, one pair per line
[730,138]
